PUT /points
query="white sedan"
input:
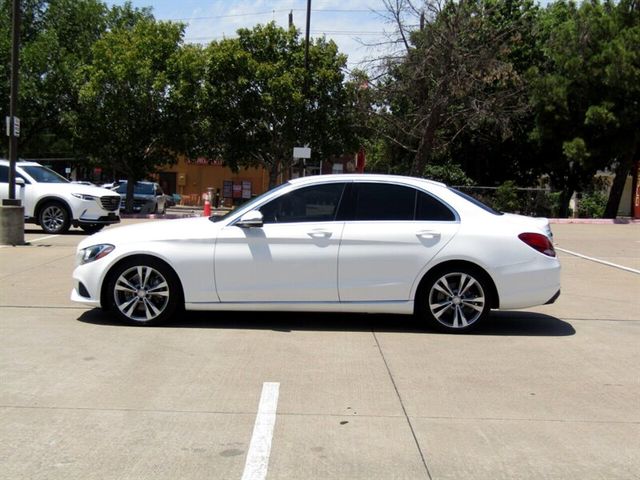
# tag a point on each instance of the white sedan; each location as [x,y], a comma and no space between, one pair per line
[334,243]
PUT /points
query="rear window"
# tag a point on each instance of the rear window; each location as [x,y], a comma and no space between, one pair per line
[138,189]
[476,202]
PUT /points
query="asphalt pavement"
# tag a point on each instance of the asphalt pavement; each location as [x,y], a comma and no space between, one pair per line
[550,392]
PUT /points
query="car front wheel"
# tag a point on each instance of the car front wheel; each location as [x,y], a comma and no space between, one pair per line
[456,300]
[143,291]
[54,218]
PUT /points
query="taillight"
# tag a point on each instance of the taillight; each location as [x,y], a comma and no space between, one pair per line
[539,242]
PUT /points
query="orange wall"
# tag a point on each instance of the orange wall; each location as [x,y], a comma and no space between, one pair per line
[199,177]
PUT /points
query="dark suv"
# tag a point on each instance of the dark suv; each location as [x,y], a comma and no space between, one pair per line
[148,197]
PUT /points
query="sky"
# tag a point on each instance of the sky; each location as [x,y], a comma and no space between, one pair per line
[355,25]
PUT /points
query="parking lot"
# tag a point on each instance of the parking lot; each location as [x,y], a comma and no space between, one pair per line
[551,392]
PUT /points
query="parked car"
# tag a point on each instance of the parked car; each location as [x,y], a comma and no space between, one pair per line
[148,197]
[56,204]
[335,243]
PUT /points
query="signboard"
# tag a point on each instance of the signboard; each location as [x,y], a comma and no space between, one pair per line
[301,152]
[246,189]
[16,126]
[227,189]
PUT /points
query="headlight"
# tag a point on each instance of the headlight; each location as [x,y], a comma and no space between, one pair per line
[83,196]
[93,253]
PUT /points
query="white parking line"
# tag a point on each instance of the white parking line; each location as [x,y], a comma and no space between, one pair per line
[34,240]
[597,260]
[255,468]
[43,238]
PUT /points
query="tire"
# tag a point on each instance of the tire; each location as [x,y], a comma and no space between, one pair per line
[92,228]
[54,218]
[143,291]
[455,300]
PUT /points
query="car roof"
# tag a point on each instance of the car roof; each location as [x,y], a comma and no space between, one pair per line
[366,177]
[20,163]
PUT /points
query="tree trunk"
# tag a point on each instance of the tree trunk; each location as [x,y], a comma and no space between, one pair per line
[273,175]
[617,189]
[423,155]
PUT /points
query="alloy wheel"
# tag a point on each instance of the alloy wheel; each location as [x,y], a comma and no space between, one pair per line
[457,300]
[141,293]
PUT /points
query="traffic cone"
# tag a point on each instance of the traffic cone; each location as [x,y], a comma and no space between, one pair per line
[207,208]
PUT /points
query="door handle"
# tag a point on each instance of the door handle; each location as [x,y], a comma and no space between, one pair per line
[319,234]
[428,234]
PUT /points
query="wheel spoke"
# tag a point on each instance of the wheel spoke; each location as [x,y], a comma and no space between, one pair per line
[125,286]
[443,287]
[477,304]
[439,308]
[128,307]
[154,290]
[150,309]
[463,287]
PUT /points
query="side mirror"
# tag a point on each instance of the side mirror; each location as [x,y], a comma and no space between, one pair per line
[251,219]
[20,182]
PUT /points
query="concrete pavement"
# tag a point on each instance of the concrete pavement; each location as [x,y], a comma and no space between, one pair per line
[551,392]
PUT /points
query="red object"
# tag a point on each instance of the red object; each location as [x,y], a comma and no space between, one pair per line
[539,242]
[207,208]
[360,160]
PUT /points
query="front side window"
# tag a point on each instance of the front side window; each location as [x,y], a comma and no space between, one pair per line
[318,203]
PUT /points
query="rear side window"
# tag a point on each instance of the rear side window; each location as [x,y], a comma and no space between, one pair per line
[431,209]
[4,174]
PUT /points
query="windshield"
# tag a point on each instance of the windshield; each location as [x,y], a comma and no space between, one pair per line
[43,174]
[138,189]
[476,202]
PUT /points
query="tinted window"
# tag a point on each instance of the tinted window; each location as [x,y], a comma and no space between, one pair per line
[476,202]
[318,203]
[379,201]
[138,188]
[44,175]
[431,209]
[4,174]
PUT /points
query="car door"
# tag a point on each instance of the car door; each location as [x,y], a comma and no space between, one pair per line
[293,257]
[20,189]
[393,231]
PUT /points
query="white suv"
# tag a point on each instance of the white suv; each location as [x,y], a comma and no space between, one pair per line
[56,204]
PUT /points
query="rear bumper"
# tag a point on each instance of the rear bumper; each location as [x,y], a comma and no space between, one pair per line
[553,299]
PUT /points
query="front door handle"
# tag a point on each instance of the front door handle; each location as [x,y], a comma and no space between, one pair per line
[319,234]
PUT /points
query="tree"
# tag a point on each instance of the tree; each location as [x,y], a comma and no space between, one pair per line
[132,97]
[586,94]
[257,107]
[456,74]
[56,40]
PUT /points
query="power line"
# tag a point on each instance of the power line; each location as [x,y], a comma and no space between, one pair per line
[270,12]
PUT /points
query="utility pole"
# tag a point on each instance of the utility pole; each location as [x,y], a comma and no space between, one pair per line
[12,211]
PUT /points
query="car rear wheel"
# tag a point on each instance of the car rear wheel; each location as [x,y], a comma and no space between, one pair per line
[54,218]
[144,291]
[455,300]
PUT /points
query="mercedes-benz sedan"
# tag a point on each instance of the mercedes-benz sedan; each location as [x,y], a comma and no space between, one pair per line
[335,243]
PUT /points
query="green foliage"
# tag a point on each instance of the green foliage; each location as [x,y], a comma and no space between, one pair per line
[592,204]
[506,198]
[261,103]
[448,173]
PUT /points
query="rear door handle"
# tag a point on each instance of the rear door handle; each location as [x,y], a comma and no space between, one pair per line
[428,234]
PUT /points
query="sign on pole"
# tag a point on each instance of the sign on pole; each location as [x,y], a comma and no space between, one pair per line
[301,152]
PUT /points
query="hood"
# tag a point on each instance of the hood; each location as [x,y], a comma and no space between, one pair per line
[160,230]
[77,188]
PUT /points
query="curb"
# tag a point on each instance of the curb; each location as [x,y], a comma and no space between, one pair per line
[596,221]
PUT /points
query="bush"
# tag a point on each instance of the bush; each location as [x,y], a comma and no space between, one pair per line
[506,198]
[592,205]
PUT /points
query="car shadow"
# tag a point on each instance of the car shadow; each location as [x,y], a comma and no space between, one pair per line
[508,323]
[71,231]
